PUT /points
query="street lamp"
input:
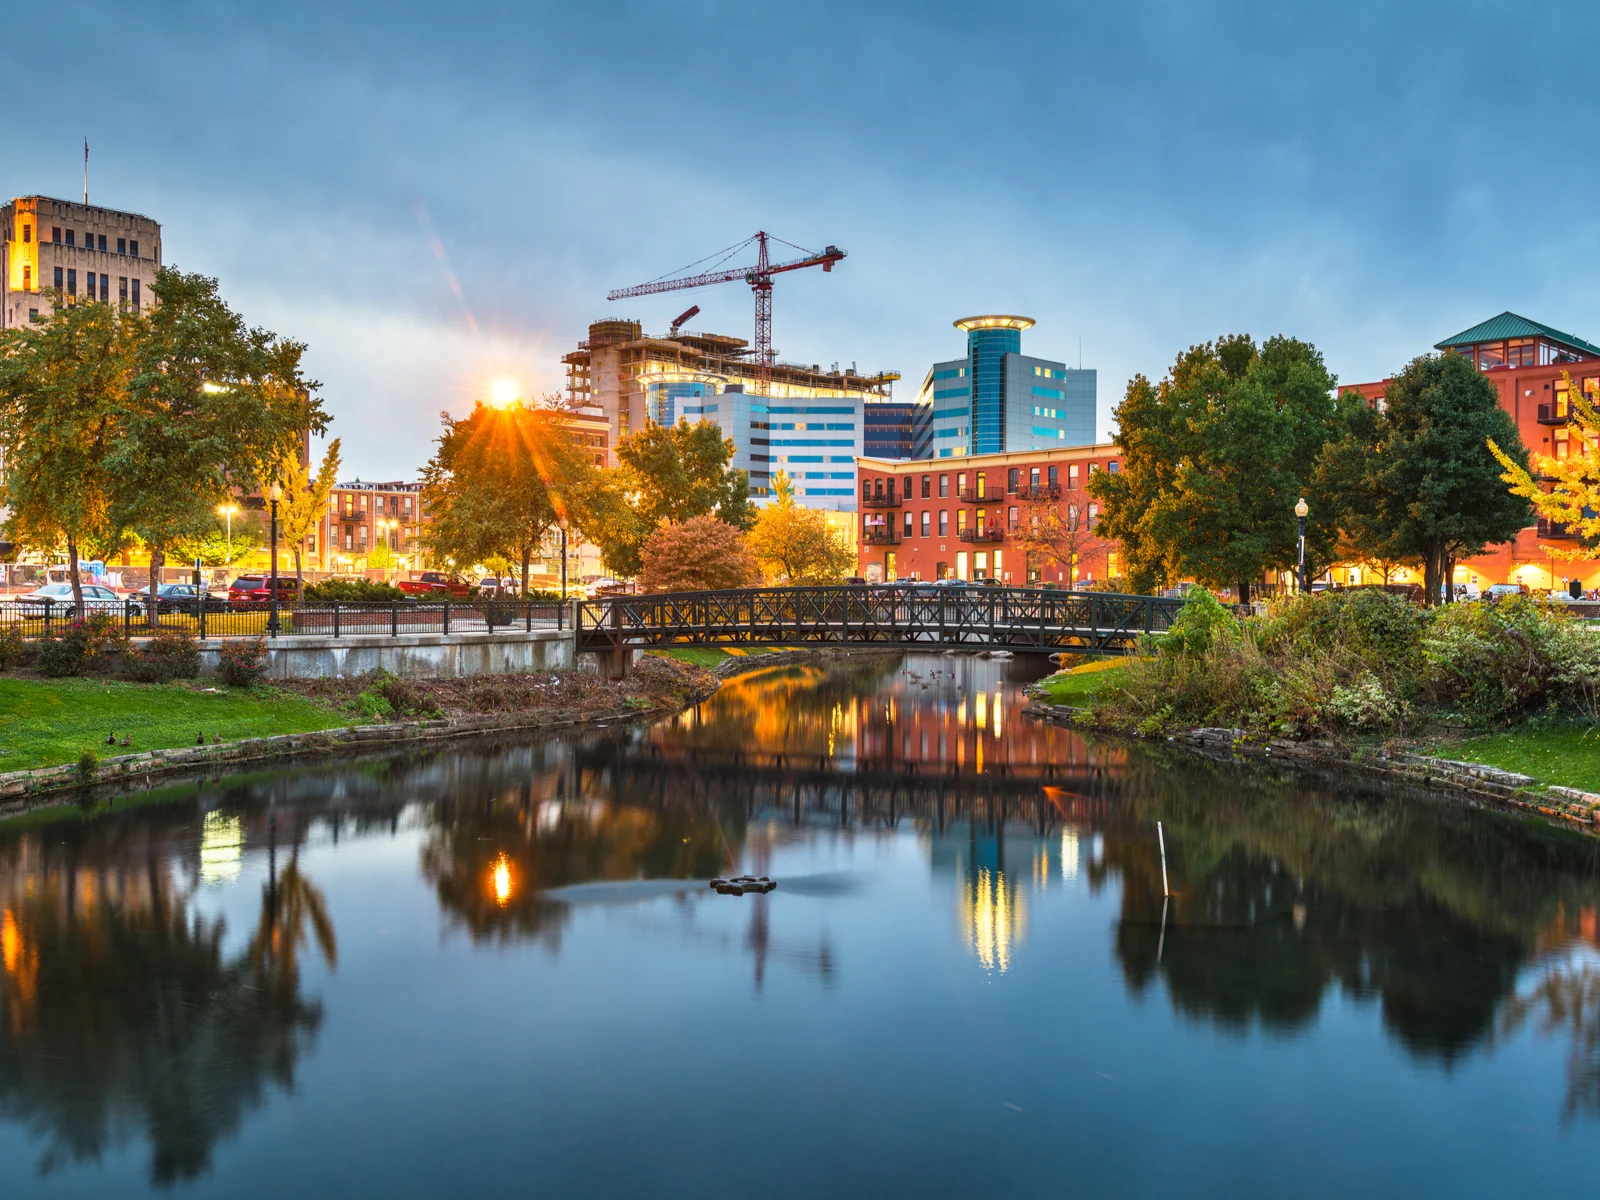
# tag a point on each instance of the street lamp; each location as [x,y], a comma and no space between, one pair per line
[274,494]
[1300,510]
[563,523]
[227,510]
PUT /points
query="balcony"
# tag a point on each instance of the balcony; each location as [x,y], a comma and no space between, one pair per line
[1039,491]
[992,533]
[1555,414]
[886,536]
[978,495]
[1555,531]
[889,501]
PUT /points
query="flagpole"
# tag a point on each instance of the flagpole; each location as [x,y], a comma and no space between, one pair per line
[86,170]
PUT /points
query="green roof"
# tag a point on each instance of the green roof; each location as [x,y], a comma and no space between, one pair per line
[1510,325]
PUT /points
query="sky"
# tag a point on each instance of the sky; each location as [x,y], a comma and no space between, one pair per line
[435,196]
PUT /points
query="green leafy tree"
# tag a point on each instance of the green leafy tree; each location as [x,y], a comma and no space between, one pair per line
[1215,457]
[305,500]
[797,544]
[697,554]
[63,382]
[213,406]
[499,481]
[1416,477]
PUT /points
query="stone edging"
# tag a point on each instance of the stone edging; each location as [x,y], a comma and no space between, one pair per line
[1523,792]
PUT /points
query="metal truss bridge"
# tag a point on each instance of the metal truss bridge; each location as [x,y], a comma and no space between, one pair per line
[913,615]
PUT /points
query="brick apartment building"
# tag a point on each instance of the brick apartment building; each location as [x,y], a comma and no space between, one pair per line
[940,517]
[1524,360]
[363,516]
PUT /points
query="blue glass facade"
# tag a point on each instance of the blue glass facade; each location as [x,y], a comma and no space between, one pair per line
[664,401]
[986,351]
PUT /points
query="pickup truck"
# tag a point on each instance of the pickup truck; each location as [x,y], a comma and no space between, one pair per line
[436,585]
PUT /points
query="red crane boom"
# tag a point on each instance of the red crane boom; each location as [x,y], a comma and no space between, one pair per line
[759,277]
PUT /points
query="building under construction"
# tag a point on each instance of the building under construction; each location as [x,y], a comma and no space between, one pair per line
[810,423]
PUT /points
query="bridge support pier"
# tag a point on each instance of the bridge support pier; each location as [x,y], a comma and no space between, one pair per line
[616,663]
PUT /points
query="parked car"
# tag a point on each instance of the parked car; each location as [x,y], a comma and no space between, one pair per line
[96,598]
[1498,591]
[257,589]
[187,598]
[437,585]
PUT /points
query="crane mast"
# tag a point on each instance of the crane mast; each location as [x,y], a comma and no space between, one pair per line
[759,277]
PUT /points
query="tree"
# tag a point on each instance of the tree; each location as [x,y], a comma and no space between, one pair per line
[1573,498]
[694,555]
[213,407]
[1051,532]
[663,474]
[305,500]
[1215,457]
[1417,479]
[500,479]
[797,544]
[62,383]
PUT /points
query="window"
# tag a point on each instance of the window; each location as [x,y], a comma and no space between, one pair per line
[133,248]
[961,521]
[88,284]
[1523,352]
[60,280]
[944,522]
[910,523]
[925,522]
[105,287]
[102,243]
[122,288]
[1033,478]
[27,234]
[906,490]
[866,489]
[1013,479]
[1072,516]
[961,482]
[1072,476]
[1093,467]
[927,486]
[1112,466]
[877,488]
[55,234]
[1094,512]
[1011,517]
[122,245]
[33,314]
[135,284]
[983,481]
[27,279]
[408,506]
[70,236]
[72,280]
[944,486]
[1055,479]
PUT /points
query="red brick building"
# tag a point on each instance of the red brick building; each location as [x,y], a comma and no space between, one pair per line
[1525,361]
[939,517]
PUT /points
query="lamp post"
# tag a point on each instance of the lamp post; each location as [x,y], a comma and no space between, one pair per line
[227,510]
[563,524]
[274,494]
[1300,510]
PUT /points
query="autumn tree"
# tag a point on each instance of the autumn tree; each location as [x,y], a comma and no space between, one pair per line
[213,407]
[499,481]
[305,500]
[1214,458]
[1573,496]
[63,381]
[1059,534]
[797,544]
[1416,478]
[698,554]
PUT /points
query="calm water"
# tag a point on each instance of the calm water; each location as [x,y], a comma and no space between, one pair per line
[490,971]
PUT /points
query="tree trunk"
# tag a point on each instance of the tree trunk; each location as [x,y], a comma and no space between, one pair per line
[1430,577]
[73,576]
[527,554]
[299,574]
[1449,578]
[1244,591]
[157,558]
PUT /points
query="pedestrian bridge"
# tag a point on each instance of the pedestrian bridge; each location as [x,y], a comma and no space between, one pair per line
[911,615]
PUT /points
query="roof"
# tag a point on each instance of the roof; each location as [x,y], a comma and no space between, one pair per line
[1510,325]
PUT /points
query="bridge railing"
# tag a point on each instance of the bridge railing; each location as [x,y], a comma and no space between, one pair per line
[909,614]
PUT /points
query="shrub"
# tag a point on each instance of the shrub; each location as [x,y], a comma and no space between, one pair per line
[88,764]
[1497,662]
[1197,625]
[354,591]
[13,649]
[1365,706]
[171,654]
[242,662]
[702,552]
[93,644]
[406,696]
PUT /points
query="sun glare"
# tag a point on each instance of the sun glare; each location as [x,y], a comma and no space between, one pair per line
[503,393]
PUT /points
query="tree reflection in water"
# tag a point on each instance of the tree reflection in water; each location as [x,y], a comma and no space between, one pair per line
[120,1016]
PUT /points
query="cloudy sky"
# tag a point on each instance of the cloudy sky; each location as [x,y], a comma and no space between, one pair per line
[432,196]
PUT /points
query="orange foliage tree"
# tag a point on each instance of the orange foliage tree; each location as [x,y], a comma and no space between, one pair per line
[700,553]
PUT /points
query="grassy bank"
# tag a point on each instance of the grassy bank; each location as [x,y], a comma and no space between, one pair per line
[708,658]
[1076,686]
[1568,757]
[47,722]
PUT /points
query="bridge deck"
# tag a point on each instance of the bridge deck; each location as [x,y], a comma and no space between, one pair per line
[910,615]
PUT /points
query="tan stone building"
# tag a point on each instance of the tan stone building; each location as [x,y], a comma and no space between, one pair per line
[78,251]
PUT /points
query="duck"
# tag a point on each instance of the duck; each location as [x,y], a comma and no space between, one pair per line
[200,739]
[111,739]
[126,741]
[216,739]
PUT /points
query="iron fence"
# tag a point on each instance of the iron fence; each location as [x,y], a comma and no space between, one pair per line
[216,618]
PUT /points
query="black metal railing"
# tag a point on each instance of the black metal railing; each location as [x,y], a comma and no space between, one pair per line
[1556,531]
[886,536]
[1038,491]
[992,533]
[978,495]
[1555,414]
[218,618]
[889,501]
[900,614]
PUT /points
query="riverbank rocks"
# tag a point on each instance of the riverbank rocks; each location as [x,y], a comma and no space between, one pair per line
[741,885]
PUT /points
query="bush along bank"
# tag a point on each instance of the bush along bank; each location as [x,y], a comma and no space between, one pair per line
[1363,677]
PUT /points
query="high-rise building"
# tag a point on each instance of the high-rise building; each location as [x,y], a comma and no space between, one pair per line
[897,428]
[811,425]
[998,400]
[78,251]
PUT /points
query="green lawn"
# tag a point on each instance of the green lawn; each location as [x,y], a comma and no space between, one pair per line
[709,657]
[44,723]
[1568,757]
[1074,687]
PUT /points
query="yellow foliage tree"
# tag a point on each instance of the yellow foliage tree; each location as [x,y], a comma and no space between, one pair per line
[1572,498]
[797,544]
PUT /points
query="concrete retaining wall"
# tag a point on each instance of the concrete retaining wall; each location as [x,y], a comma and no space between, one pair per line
[513,652]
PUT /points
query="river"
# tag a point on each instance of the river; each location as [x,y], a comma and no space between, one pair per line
[496,968]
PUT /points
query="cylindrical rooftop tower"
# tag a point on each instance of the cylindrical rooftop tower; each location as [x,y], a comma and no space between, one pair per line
[989,339]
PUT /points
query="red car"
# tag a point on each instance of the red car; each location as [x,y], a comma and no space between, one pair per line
[257,589]
[436,585]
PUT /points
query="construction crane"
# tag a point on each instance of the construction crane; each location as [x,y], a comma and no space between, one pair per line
[759,277]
